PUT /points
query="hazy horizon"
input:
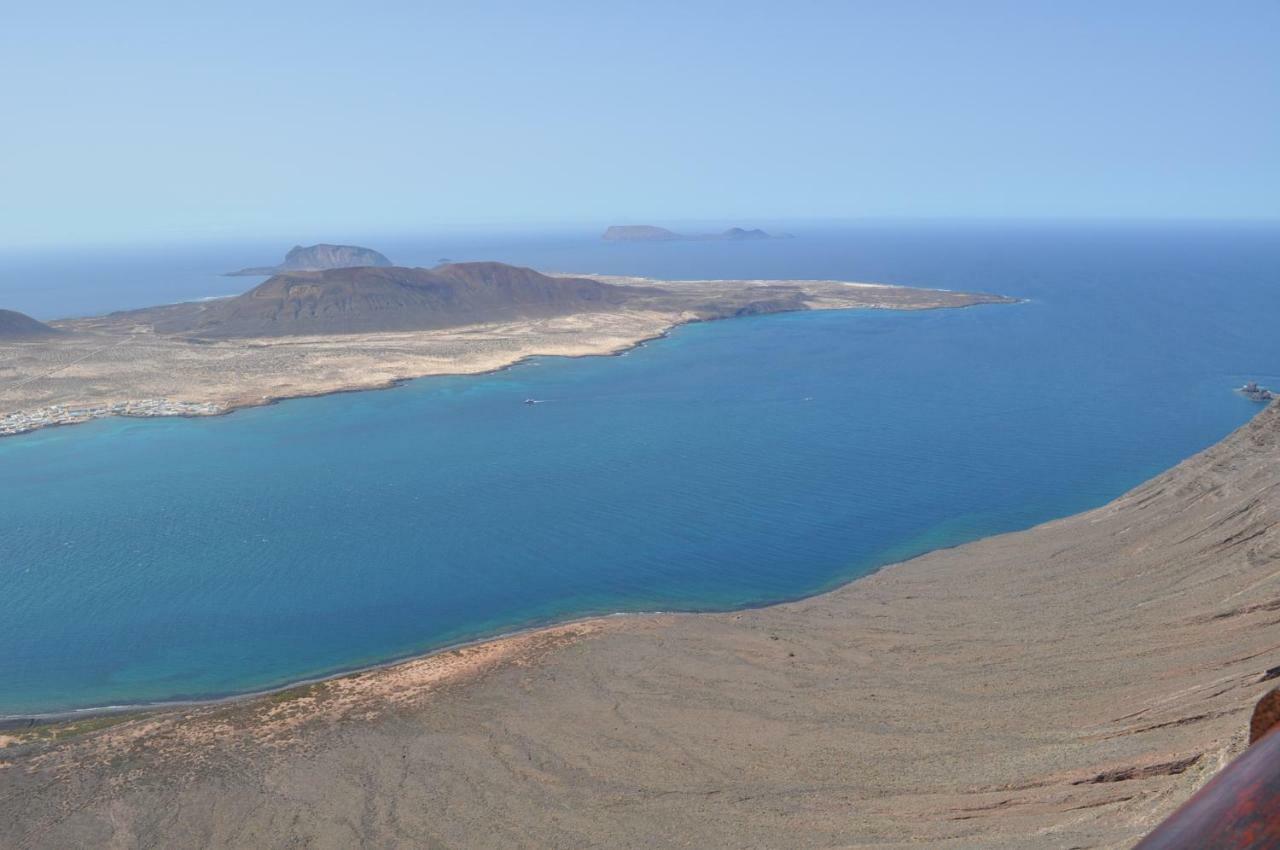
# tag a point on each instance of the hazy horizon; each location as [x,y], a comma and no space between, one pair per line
[278,243]
[60,281]
[155,123]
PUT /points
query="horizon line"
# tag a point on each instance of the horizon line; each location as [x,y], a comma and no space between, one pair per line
[529,227]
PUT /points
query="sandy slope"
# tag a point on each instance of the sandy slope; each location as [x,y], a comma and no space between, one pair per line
[1060,687]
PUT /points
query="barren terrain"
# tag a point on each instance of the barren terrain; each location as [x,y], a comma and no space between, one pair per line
[110,360]
[1061,687]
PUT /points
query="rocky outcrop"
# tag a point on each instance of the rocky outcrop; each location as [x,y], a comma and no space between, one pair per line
[321,257]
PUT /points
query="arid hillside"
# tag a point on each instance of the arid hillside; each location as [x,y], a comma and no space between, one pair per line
[1061,687]
[375,299]
[18,326]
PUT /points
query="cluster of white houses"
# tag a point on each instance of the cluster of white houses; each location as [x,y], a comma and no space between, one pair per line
[30,420]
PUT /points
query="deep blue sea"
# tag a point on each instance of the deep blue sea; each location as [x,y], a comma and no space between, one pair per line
[733,463]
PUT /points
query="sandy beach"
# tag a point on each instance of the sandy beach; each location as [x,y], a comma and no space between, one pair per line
[1065,686]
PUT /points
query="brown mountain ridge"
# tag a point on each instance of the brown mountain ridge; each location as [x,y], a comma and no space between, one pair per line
[371,299]
[15,325]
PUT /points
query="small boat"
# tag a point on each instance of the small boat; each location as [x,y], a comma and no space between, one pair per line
[530,401]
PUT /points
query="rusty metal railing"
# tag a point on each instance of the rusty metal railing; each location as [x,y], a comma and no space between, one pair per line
[1239,809]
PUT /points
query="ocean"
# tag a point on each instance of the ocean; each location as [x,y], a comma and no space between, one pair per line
[730,464]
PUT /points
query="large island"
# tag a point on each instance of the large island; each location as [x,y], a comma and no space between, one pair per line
[312,332]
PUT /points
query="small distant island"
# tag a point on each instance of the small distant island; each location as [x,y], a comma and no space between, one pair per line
[321,257]
[650,233]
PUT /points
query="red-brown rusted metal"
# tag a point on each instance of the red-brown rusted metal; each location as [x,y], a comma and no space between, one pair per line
[1266,716]
[1240,807]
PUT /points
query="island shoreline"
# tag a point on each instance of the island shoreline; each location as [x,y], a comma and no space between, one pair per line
[124,710]
[134,710]
[1096,668]
[519,360]
[27,721]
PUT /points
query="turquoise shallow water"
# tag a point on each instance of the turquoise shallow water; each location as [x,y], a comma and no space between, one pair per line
[733,463]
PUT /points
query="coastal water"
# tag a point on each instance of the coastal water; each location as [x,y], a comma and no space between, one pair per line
[733,463]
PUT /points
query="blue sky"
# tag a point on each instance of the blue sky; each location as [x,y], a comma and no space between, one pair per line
[139,121]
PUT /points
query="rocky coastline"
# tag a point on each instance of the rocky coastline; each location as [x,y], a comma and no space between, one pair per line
[23,421]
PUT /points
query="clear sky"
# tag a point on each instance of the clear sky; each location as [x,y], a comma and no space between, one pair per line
[146,121]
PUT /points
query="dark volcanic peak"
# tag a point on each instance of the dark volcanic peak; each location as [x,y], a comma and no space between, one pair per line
[320,257]
[649,233]
[371,299]
[14,325]
[740,233]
